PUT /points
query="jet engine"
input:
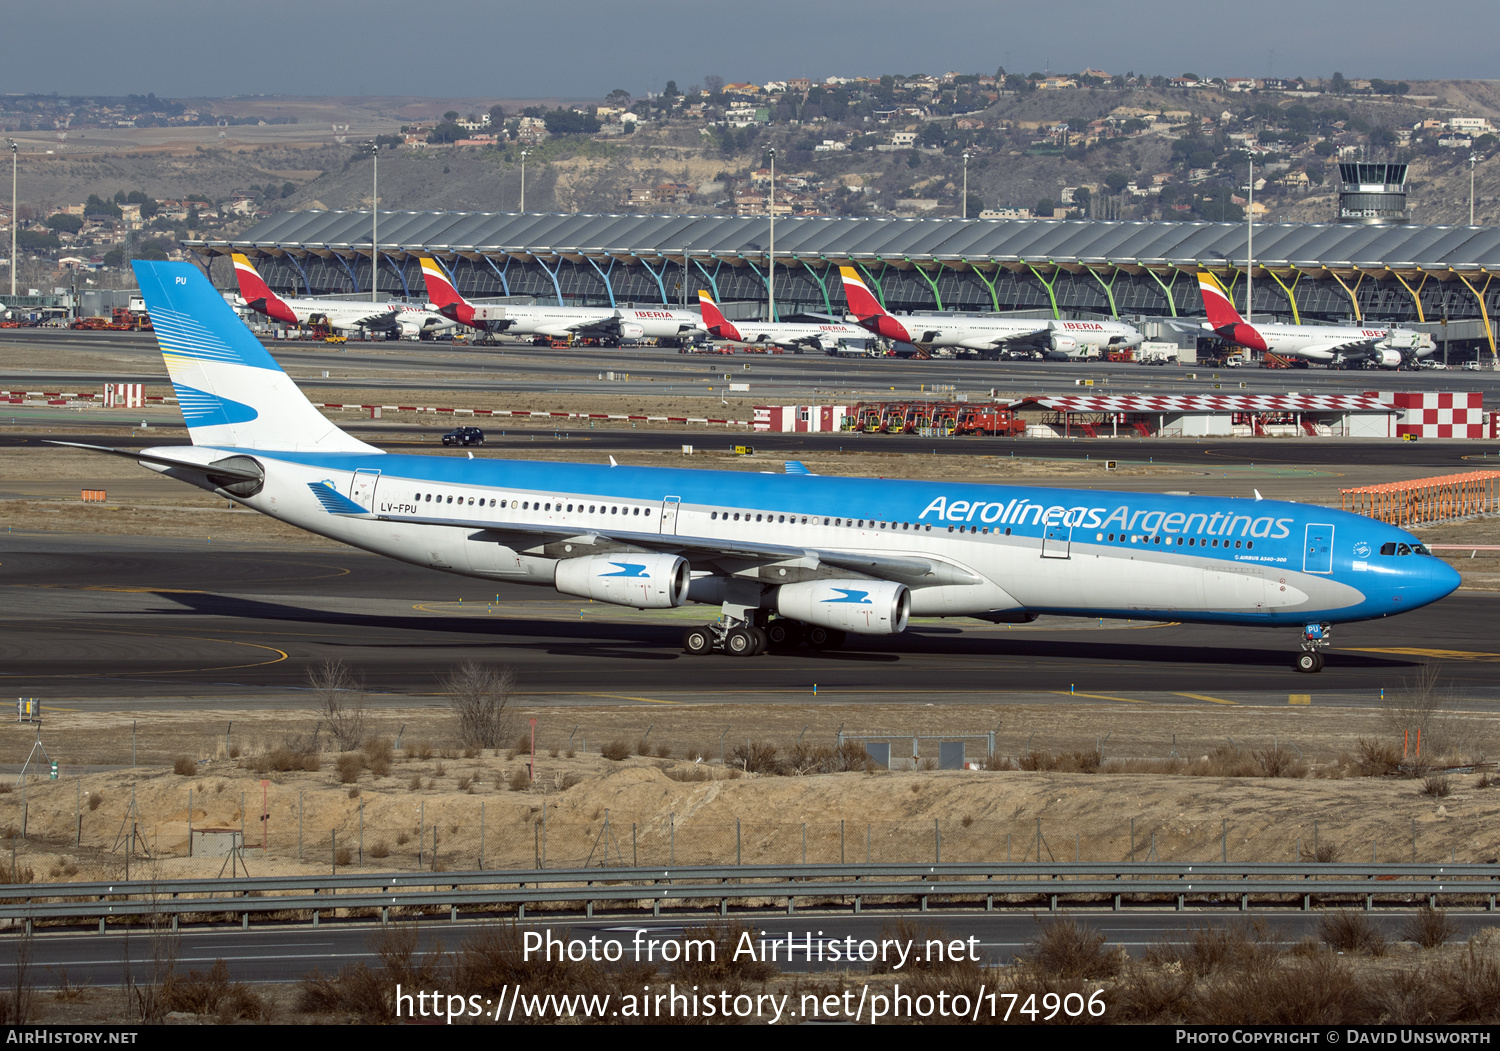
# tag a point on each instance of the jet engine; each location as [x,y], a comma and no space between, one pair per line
[1063,344]
[645,581]
[865,607]
[1387,359]
[630,330]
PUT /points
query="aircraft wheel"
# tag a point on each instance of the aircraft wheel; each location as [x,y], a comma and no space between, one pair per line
[762,643]
[740,643]
[1308,662]
[824,638]
[698,641]
[783,634]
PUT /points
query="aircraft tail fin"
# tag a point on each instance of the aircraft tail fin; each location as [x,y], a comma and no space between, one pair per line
[862,304]
[441,293]
[258,294]
[1216,302]
[231,391]
[713,318]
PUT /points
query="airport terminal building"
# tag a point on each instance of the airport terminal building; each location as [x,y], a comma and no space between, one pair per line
[1445,280]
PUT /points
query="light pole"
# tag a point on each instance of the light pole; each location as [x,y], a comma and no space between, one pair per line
[1250,244]
[523,179]
[15,219]
[374,148]
[966,184]
[771,255]
[1472,160]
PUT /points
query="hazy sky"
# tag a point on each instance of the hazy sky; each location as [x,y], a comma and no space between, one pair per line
[584,48]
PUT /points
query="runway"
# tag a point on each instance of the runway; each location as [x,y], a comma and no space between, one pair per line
[127,622]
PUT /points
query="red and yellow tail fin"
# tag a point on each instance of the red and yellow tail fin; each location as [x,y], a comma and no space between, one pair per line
[714,320]
[862,304]
[257,294]
[441,293]
[1216,302]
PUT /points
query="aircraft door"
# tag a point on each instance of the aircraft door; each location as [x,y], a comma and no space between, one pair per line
[1317,549]
[362,487]
[669,507]
[1057,540]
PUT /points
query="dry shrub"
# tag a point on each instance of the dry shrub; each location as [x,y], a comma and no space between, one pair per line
[479,695]
[381,849]
[340,701]
[756,757]
[370,995]
[21,873]
[569,780]
[616,751]
[1472,981]
[1326,854]
[663,752]
[1345,931]
[421,750]
[464,783]
[643,747]
[281,760]
[1273,762]
[1375,758]
[311,763]
[522,743]
[1320,989]
[1437,787]
[1065,949]
[343,857]
[473,753]
[415,783]
[1143,766]
[999,762]
[402,838]
[440,770]
[349,766]
[1429,927]
[1065,763]
[95,799]
[689,773]
[198,992]
[184,765]
[520,779]
[353,791]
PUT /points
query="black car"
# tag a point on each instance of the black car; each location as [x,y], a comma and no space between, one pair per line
[464,436]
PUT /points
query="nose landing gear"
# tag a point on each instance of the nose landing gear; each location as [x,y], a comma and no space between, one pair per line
[1314,638]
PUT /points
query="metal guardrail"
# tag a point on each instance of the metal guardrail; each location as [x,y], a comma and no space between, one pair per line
[1212,885]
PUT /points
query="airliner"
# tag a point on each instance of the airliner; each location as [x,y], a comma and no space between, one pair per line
[794,337]
[989,337]
[342,315]
[559,322]
[1332,345]
[788,559]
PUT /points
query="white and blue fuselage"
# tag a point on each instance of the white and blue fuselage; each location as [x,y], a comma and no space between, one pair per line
[782,555]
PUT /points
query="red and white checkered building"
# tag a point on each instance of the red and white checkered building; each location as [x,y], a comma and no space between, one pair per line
[1439,414]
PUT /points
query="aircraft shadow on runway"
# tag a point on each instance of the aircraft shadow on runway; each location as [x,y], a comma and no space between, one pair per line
[605,638]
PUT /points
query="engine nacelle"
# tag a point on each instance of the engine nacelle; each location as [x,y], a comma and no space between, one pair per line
[865,607]
[630,330]
[1387,359]
[1064,344]
[644,581]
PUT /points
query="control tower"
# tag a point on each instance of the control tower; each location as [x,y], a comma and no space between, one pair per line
[1373,193]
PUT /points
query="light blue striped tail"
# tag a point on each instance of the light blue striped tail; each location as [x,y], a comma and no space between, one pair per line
[231,391]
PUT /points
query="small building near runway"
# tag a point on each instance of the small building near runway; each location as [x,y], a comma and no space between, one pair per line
[1367,415]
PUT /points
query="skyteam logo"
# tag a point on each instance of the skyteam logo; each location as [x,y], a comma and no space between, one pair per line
[861,598]
[1362,549]
[627,569]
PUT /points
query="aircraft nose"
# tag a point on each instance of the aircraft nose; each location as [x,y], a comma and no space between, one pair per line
[1429,579]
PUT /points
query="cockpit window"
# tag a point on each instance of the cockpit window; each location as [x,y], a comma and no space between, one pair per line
[1388,549]
[1403,549]
[1421,549]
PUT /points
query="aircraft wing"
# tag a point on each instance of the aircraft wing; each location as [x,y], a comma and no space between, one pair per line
[561,541]
[374,320]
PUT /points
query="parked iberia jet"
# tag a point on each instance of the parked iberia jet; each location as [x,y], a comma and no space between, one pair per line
[342,315]
[794,337]
[559,321]
[1332,345]
[782,558]
[989,337]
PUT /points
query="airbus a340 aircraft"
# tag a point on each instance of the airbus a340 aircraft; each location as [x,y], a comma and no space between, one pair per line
[1331,345]
[988,337]
[341,315]
[559,321]
[796,338]
[784,557]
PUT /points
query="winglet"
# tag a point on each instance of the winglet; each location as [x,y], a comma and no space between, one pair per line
[1258,497]
[795,467]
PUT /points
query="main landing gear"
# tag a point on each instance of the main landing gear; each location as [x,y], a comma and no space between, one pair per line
[1314,638]
[747,640]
